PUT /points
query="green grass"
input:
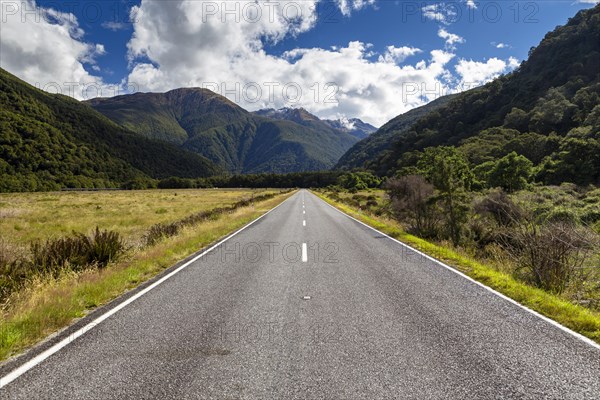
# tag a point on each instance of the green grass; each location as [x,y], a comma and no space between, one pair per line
[49,305]
[575,317]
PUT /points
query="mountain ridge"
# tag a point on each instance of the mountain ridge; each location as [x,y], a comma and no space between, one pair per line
[237,140]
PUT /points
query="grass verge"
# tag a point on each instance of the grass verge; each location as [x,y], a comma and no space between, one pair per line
[574,317]
[52,304]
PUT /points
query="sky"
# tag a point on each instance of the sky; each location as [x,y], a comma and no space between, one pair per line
[367,59]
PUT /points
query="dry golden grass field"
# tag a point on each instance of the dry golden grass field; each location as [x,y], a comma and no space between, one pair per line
[30,216]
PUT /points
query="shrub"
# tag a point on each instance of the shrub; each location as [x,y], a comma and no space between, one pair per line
[500,207]
[563,215]
[411,202]
[103,247]
[77,252]
[590,215]
[158,232]
[15,269]
[55,254]
[372,203]
[552,252]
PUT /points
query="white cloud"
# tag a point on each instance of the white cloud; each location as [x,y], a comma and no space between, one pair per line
[471,4]
[45,48]
[441,12]
[397,55]
[588,1]
[230,58]
[501,45]
[450,38]
[187,43]
[346,6]
[475,73]
[114,26]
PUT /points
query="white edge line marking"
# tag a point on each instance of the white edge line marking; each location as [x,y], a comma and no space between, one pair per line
[14,374]
[537,314]
[304,253]
[303,212]
[304,223]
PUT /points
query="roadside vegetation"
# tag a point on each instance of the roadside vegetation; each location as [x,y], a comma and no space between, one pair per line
[45,284]
[539,245]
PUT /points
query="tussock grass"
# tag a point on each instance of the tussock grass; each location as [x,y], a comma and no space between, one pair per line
[27,217]
[574,317]
[48,305]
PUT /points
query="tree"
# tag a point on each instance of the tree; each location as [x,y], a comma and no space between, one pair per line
[552,112]
[359,180]
[448,170]
[517,119]
[512,172]
[411,197]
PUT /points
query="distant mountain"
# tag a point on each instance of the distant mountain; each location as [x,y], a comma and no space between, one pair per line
[547,110]
[239,141]
[297,115]
[51,141]
[354,126]
[363,153]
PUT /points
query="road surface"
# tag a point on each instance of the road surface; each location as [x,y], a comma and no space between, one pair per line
[307,303]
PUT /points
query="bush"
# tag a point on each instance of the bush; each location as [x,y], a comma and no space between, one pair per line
[412,202]
[500,207]
[77,252]
[552,252]
[590,215]
[563,215]
[15,269]
[103,247]
[158,232]
[372,203]
[53,255]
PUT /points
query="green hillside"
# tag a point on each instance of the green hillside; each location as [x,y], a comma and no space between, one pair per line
[548,111]
[51,141]
[239,141]
[364,152]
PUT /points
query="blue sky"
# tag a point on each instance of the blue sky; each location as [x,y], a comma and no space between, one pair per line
[368,48]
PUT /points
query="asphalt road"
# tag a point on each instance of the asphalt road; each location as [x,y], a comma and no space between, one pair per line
[361,318]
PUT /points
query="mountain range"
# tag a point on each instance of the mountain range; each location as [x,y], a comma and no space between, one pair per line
[548,110]
[203,122]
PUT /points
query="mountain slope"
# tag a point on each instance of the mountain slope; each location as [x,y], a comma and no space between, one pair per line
[362,153]
[239,141]
[50,141]
[354,126]
[548,110]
